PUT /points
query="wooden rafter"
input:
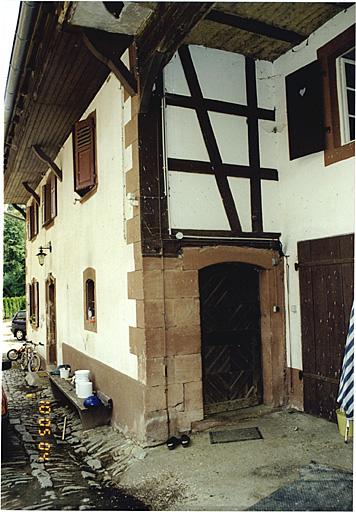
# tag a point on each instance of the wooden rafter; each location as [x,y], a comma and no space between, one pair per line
[163,35]
[20,210]
[108,48]
[32,192]
[255,27]
[47,160]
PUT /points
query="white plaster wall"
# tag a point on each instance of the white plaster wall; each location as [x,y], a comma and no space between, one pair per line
[316,201]
[91,234]
[309,201]
[184,140]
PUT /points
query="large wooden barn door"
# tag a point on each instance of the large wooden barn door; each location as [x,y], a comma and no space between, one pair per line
[326,293]
[230,327]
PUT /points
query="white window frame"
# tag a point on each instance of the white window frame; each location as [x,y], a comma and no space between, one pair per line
[342,96]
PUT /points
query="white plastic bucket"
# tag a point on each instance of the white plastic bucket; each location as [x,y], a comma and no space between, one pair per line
[64,373]
[83,388]
[82,375]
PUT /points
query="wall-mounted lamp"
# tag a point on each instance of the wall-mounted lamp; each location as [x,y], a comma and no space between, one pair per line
[41,254]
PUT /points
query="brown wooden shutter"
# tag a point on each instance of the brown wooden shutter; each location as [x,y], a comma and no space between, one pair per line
[36,302]
[43,204]
[48,201]
[35,219]
[53,195]
[84,153]
[28,222]
[30,295]
[305,110]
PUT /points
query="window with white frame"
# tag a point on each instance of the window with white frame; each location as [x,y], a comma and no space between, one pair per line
[346,95]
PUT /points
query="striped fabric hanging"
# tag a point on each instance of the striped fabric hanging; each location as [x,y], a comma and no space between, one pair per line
[346,389]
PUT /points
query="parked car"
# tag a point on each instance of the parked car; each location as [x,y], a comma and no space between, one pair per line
[6,365]
[18,325]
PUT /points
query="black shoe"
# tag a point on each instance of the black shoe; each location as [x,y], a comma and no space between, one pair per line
[172,443]
[185,440]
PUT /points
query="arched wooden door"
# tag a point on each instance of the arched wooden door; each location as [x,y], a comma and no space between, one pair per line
[231,337]
[51,320]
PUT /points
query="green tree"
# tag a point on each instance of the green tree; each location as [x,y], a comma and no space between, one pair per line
[14,255]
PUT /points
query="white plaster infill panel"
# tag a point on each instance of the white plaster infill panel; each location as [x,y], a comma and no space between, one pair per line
[265,84]
[221,74]
[174,77]
[183,135]
[268,141]
[195,202]
[232,137]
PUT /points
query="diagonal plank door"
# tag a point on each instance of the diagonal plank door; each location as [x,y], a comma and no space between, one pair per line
[230,326]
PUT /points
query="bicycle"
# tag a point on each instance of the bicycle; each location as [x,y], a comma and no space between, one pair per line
[15,353]
[29,358]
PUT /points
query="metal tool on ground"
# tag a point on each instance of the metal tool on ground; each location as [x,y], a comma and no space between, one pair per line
[64,427]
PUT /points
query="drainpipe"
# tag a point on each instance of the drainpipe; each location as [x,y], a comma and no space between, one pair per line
[25,20]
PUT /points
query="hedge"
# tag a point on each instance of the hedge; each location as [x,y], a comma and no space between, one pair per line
[12,304]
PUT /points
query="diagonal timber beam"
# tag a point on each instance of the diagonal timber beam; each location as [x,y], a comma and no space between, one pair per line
[108,48]
[47,160]
[32,192]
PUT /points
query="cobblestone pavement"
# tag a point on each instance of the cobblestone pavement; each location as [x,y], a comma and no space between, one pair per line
[81,470]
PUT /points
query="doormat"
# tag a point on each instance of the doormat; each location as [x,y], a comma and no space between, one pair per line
[234,435]
[319,488]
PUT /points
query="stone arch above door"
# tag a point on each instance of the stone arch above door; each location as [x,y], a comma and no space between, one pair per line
[195,258]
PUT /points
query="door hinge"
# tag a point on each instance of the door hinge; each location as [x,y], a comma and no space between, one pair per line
[296,266]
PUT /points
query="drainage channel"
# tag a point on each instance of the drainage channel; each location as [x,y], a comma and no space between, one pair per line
[70,490]
[65,480]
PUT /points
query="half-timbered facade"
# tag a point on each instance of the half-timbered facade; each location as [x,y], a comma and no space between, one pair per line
[188,170]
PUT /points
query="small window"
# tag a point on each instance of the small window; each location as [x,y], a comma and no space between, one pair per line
[33,292]
[85,173]
[346,95]
[32,220]
[337,59]
[90,309]
[49,200]
[90,292]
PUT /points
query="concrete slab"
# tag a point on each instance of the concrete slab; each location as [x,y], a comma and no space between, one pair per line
[234,476]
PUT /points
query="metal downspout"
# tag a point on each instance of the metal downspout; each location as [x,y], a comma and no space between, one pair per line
[21,40]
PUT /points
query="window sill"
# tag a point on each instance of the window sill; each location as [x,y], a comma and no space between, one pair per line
[88,195]
[33,238]
[90,326]
[333,155]
[49,223]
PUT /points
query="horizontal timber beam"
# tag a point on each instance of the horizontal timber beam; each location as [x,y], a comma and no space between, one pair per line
[224,107]
[32,192]
[256,27]
[47,160]
[236,171]
[196,233]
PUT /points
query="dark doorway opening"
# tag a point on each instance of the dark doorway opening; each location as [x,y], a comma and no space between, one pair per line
[51,320]
[231,337]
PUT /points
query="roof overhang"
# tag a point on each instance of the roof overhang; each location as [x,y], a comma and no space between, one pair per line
[61,73]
